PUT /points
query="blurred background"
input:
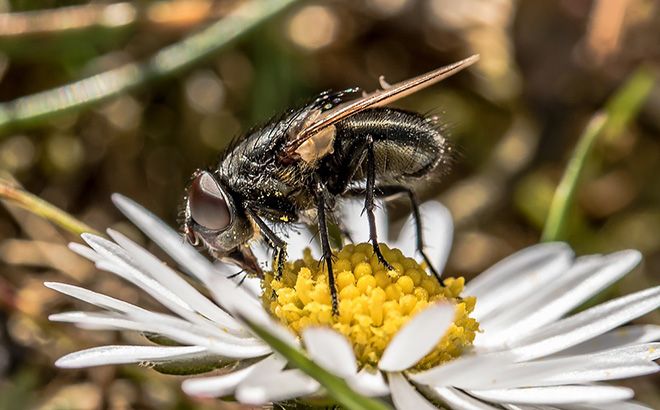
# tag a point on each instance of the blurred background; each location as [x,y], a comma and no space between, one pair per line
[515,118]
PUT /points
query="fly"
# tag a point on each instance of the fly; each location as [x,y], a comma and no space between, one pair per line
[294,168]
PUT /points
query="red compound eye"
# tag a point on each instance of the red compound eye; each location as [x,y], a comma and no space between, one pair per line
[207,203]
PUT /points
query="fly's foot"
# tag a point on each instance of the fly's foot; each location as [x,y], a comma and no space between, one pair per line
[335,302]
[331,282]
[431,268]
[380,256]
[278,262]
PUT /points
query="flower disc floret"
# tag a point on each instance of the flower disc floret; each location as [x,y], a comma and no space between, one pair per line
[374,303]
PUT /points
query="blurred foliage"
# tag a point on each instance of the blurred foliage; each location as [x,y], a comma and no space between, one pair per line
[546,68]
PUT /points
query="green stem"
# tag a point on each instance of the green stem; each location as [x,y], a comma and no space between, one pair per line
[563,198]
[42,208]
[622,107]
[37,108]
[336,387]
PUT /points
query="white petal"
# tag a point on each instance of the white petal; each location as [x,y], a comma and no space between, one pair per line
[369,382]
[330,350]
[116,260]
[621,405]
[597,372]
[262,252]
[418,337]
[298,238]
[509,268]
[162,294]
[405,396]
[464,370]
[239,278]
[641,351]
[169,240]
[216,386]
[103,355]
[225,384]
[112,304]
[587,277]
[96,299]
[456,399]
[587,324]
[498,324]
[628,335]
[223,285]
[288,384]
[615,364]
[251,284]
[242,306]
[556,394]
[84,251]
[528,407]
[438,231]
[107,250]
[167,277]
[518,276]
[357,224]
[185,333]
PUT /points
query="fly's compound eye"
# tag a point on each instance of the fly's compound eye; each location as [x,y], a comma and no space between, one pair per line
[208,204]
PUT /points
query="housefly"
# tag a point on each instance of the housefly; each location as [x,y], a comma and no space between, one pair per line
[294,168]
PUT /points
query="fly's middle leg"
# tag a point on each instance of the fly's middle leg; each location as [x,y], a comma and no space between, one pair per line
[369,204]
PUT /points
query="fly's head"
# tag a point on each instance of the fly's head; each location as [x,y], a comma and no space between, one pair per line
[213,219]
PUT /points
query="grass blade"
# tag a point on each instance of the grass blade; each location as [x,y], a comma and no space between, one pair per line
[42,208]
[622,107]
[34,109]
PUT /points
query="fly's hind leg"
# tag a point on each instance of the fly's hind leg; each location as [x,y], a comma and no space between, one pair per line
[390,190]
[319,194]
[369,205]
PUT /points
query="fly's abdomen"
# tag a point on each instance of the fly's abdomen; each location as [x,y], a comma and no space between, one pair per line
[406,144]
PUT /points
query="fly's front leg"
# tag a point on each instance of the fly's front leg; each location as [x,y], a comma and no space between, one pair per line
[319,195]
[369,205]
[279,246]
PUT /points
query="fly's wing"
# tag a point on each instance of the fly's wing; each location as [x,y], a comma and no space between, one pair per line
[322,124]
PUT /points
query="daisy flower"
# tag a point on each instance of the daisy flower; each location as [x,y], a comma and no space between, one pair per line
[505,340]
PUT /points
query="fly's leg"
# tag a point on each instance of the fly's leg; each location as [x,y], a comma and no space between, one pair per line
[279,246]
[369,202]
[319,194]
[392,190]
[389,190]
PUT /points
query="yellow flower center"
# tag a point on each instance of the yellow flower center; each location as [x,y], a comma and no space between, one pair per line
[373,303]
